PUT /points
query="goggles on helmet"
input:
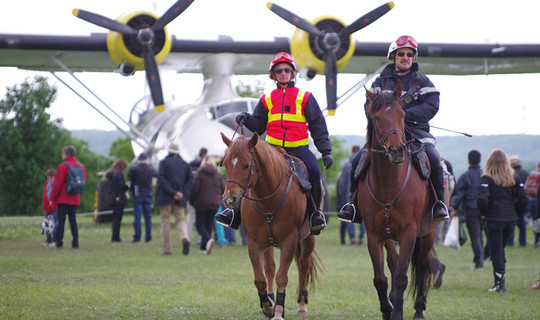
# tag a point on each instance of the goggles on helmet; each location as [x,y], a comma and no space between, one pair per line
[403,40]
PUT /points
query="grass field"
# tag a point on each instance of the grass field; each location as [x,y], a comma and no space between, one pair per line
[104,280]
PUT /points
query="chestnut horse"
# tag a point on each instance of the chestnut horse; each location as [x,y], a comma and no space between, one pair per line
[273,209]
[395,205]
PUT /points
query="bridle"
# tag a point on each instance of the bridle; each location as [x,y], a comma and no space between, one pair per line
[246,188]
[382,139]
[384,150]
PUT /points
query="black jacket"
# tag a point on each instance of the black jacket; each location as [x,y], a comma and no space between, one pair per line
[207,189]
[174,175]
[466,193]
[141,179]
[426,98]
[118,187]
[500,204]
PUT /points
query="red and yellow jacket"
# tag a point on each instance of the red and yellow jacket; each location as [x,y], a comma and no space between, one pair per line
[286,115]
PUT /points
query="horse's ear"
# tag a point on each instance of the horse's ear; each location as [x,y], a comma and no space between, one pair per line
[225,139]
[253,141]
[397,90]
[371,96]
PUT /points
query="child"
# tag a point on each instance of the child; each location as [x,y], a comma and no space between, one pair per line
[51,234]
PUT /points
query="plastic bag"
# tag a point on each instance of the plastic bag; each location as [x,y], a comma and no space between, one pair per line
[536,225]
[451,239]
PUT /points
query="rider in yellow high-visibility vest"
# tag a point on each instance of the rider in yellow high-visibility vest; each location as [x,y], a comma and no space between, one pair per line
[286,115]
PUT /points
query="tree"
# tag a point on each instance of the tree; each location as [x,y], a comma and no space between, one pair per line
[250,90]
[31,143]
[121,148]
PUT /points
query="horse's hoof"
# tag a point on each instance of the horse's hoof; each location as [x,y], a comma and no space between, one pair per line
[301,313]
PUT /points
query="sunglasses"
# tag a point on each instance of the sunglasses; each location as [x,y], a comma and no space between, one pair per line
[280,70]
[401,41]
[402,54]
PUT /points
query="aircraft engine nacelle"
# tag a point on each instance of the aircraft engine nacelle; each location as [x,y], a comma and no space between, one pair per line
[307,51]
[126,50]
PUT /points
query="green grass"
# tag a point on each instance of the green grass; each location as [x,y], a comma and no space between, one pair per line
[104,280]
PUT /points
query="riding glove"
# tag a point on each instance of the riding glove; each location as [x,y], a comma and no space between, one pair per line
[242,118]
[327,160]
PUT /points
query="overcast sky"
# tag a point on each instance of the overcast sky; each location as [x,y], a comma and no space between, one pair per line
[480,105]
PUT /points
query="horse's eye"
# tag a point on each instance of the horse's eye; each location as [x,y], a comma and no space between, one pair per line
[377,119]
[246,166]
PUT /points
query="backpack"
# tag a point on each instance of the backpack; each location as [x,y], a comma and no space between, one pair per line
[75,181]
[531,187]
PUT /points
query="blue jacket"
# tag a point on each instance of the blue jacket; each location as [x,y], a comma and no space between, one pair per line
[426,98]
[174,174]
[466,194]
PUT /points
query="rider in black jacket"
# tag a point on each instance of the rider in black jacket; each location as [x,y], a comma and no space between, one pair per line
[420,101]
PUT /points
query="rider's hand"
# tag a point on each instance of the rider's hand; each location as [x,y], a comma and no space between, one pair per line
[242,118]
[327,160]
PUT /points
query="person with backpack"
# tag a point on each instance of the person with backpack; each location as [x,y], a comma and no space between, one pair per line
[69,182]
[531,188]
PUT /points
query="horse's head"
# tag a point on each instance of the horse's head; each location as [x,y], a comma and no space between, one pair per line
[386,124]
[241,167]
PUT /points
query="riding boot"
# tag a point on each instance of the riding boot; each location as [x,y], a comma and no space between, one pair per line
[439,209]
[348,212]
[317,221]
[499,284]
[228,218]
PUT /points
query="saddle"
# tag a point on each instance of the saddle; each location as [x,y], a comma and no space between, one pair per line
[418,153]
[299,169]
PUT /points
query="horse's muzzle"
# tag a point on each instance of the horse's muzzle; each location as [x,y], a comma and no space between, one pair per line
[395,155]
[231,201]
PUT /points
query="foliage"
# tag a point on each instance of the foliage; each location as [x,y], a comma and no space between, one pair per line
[330,176]
[104,280]
[121,148]
[250,90]
[31,143]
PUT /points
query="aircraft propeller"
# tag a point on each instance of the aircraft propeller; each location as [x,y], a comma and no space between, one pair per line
[145,37]
[330,41]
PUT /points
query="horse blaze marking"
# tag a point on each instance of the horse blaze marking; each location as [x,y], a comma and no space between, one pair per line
[234,162]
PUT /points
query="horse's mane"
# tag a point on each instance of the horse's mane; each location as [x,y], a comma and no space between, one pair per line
[383,99]
[269,157]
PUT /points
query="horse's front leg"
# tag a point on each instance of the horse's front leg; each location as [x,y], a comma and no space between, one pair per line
[399,277]
[270,272]
[380,281]
[256,256]
[288,249]
[305,265]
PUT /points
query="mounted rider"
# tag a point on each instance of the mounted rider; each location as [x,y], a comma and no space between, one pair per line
[285,115]
[420,101]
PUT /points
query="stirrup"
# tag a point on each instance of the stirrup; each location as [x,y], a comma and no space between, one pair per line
[439,217]
[319,226]
[225,218]
[345,215]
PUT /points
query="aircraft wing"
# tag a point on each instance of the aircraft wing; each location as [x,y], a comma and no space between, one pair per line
[90,54]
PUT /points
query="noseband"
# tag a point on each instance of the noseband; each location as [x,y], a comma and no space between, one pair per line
[244,187]
[382,139]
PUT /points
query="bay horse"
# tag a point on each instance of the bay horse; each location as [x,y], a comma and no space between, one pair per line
[273,209]
[395,206]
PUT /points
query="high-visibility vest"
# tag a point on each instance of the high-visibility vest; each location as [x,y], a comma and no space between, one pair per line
[287,125]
